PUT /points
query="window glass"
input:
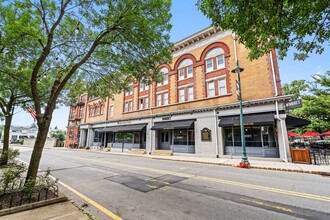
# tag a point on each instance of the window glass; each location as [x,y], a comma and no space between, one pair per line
[190,93]
[220,62]
[165,98]
[146,102]
[165,79]
[180,137]
[119,136]
[229,136]
[181,95]
[141,104]
[210,87]
[209,65]
[97,136]
[181,73]
[136,137]
[222,87]
[130,106]
[111,111]
[159,99]
[191,137]
[189,71]
[237,136]
[128,138]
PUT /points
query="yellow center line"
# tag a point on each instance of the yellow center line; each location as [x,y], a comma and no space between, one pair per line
[222,181]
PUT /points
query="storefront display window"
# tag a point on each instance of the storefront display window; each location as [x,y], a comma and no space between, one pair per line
[136,137]
[128,138]
[97,137]
[119,137]
[180,137]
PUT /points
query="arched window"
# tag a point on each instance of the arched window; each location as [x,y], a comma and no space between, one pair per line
[185,69]
[215,59]
[164,74]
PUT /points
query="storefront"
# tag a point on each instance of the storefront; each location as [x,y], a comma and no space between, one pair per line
[124,137]
[178,136]
[259,131]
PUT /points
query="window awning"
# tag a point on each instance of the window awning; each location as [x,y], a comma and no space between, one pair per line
[255,119]
[293,122]
[119,128]
[173,125]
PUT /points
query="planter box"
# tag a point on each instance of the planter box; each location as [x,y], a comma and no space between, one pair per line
[300,155]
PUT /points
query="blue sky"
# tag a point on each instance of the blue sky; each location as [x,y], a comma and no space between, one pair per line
[187,20]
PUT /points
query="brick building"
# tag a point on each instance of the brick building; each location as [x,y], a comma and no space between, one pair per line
[194,110]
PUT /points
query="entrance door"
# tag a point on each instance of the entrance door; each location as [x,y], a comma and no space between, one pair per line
[165,140]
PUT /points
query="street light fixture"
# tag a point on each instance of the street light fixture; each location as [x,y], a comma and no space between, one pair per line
[245,162]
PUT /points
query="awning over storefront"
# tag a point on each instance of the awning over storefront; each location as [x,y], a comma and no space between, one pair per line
[293,122]
[255,119]
[173,125]
[120,128]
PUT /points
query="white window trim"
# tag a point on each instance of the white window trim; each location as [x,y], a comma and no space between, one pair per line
[209,69]
[224,86]
[208,88]
[184,95]
[111,112]
[189,93]
[192,71]
[216,59]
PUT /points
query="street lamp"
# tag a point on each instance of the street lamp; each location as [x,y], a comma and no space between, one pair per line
[245,162]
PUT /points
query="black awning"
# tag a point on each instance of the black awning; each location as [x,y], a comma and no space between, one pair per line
[293,122]
[173,125]
[255,119]
[119,128]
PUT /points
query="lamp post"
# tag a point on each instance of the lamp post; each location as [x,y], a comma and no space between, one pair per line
[245,162]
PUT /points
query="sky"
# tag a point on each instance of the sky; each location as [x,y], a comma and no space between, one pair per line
[187,20]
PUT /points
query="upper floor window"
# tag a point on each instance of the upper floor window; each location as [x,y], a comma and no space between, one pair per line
[128,106]
[222,86]
[186,94]
[129,90]
[210,89]
[91,110]
[143,85]
[81,113]
[162,99]
[185,69]
[164,75]
[111,111]
[215,59]
[143,103]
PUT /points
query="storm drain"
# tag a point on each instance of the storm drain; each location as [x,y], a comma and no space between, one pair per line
[145,185]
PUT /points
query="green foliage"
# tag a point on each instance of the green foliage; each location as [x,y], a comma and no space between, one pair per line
[316,101]
[264,25]
[60,135]
[12,154]
[10,175]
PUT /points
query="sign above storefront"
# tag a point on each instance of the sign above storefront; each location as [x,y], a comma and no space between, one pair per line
[293,104]
[206,134]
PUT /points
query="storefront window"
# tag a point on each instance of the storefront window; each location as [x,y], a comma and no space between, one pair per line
[128,138]
[119,136]
[191,137]
[97,137]
[255,136]
[180,137]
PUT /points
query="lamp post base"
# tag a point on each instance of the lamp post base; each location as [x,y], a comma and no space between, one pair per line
[244,164]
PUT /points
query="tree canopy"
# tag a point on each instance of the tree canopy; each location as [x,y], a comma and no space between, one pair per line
[315,97]
[264,25]
[98,42]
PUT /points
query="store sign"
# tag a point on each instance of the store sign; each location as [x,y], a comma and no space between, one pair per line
[206,134]
[166,118]
[293,104]
[124,122]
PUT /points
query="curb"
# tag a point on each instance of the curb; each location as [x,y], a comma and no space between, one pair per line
[32,205]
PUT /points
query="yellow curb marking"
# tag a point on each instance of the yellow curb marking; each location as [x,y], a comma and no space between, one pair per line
[227,182]
[92,202]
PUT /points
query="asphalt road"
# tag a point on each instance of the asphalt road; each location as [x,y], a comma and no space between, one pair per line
[129,187]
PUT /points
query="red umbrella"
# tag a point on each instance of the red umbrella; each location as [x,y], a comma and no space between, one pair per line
[310,134]
[326,133]
[292,134]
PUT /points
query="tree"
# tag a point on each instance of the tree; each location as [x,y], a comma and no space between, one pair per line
[95,40]
[264,25]
[315,100]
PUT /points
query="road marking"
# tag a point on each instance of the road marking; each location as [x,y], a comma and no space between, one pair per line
[272,206]
[222,181]
[92,202]
[153,187]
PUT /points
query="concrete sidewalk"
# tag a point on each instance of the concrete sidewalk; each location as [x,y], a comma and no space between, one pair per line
[256,163]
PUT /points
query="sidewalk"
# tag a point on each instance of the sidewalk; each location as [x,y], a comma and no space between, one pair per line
[256,163]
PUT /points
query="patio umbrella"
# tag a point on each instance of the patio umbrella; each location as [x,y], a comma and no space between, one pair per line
[310,134]
[292,134]
[326,133]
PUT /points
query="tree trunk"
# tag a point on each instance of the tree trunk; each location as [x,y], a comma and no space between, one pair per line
[43,129]
[6,131]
